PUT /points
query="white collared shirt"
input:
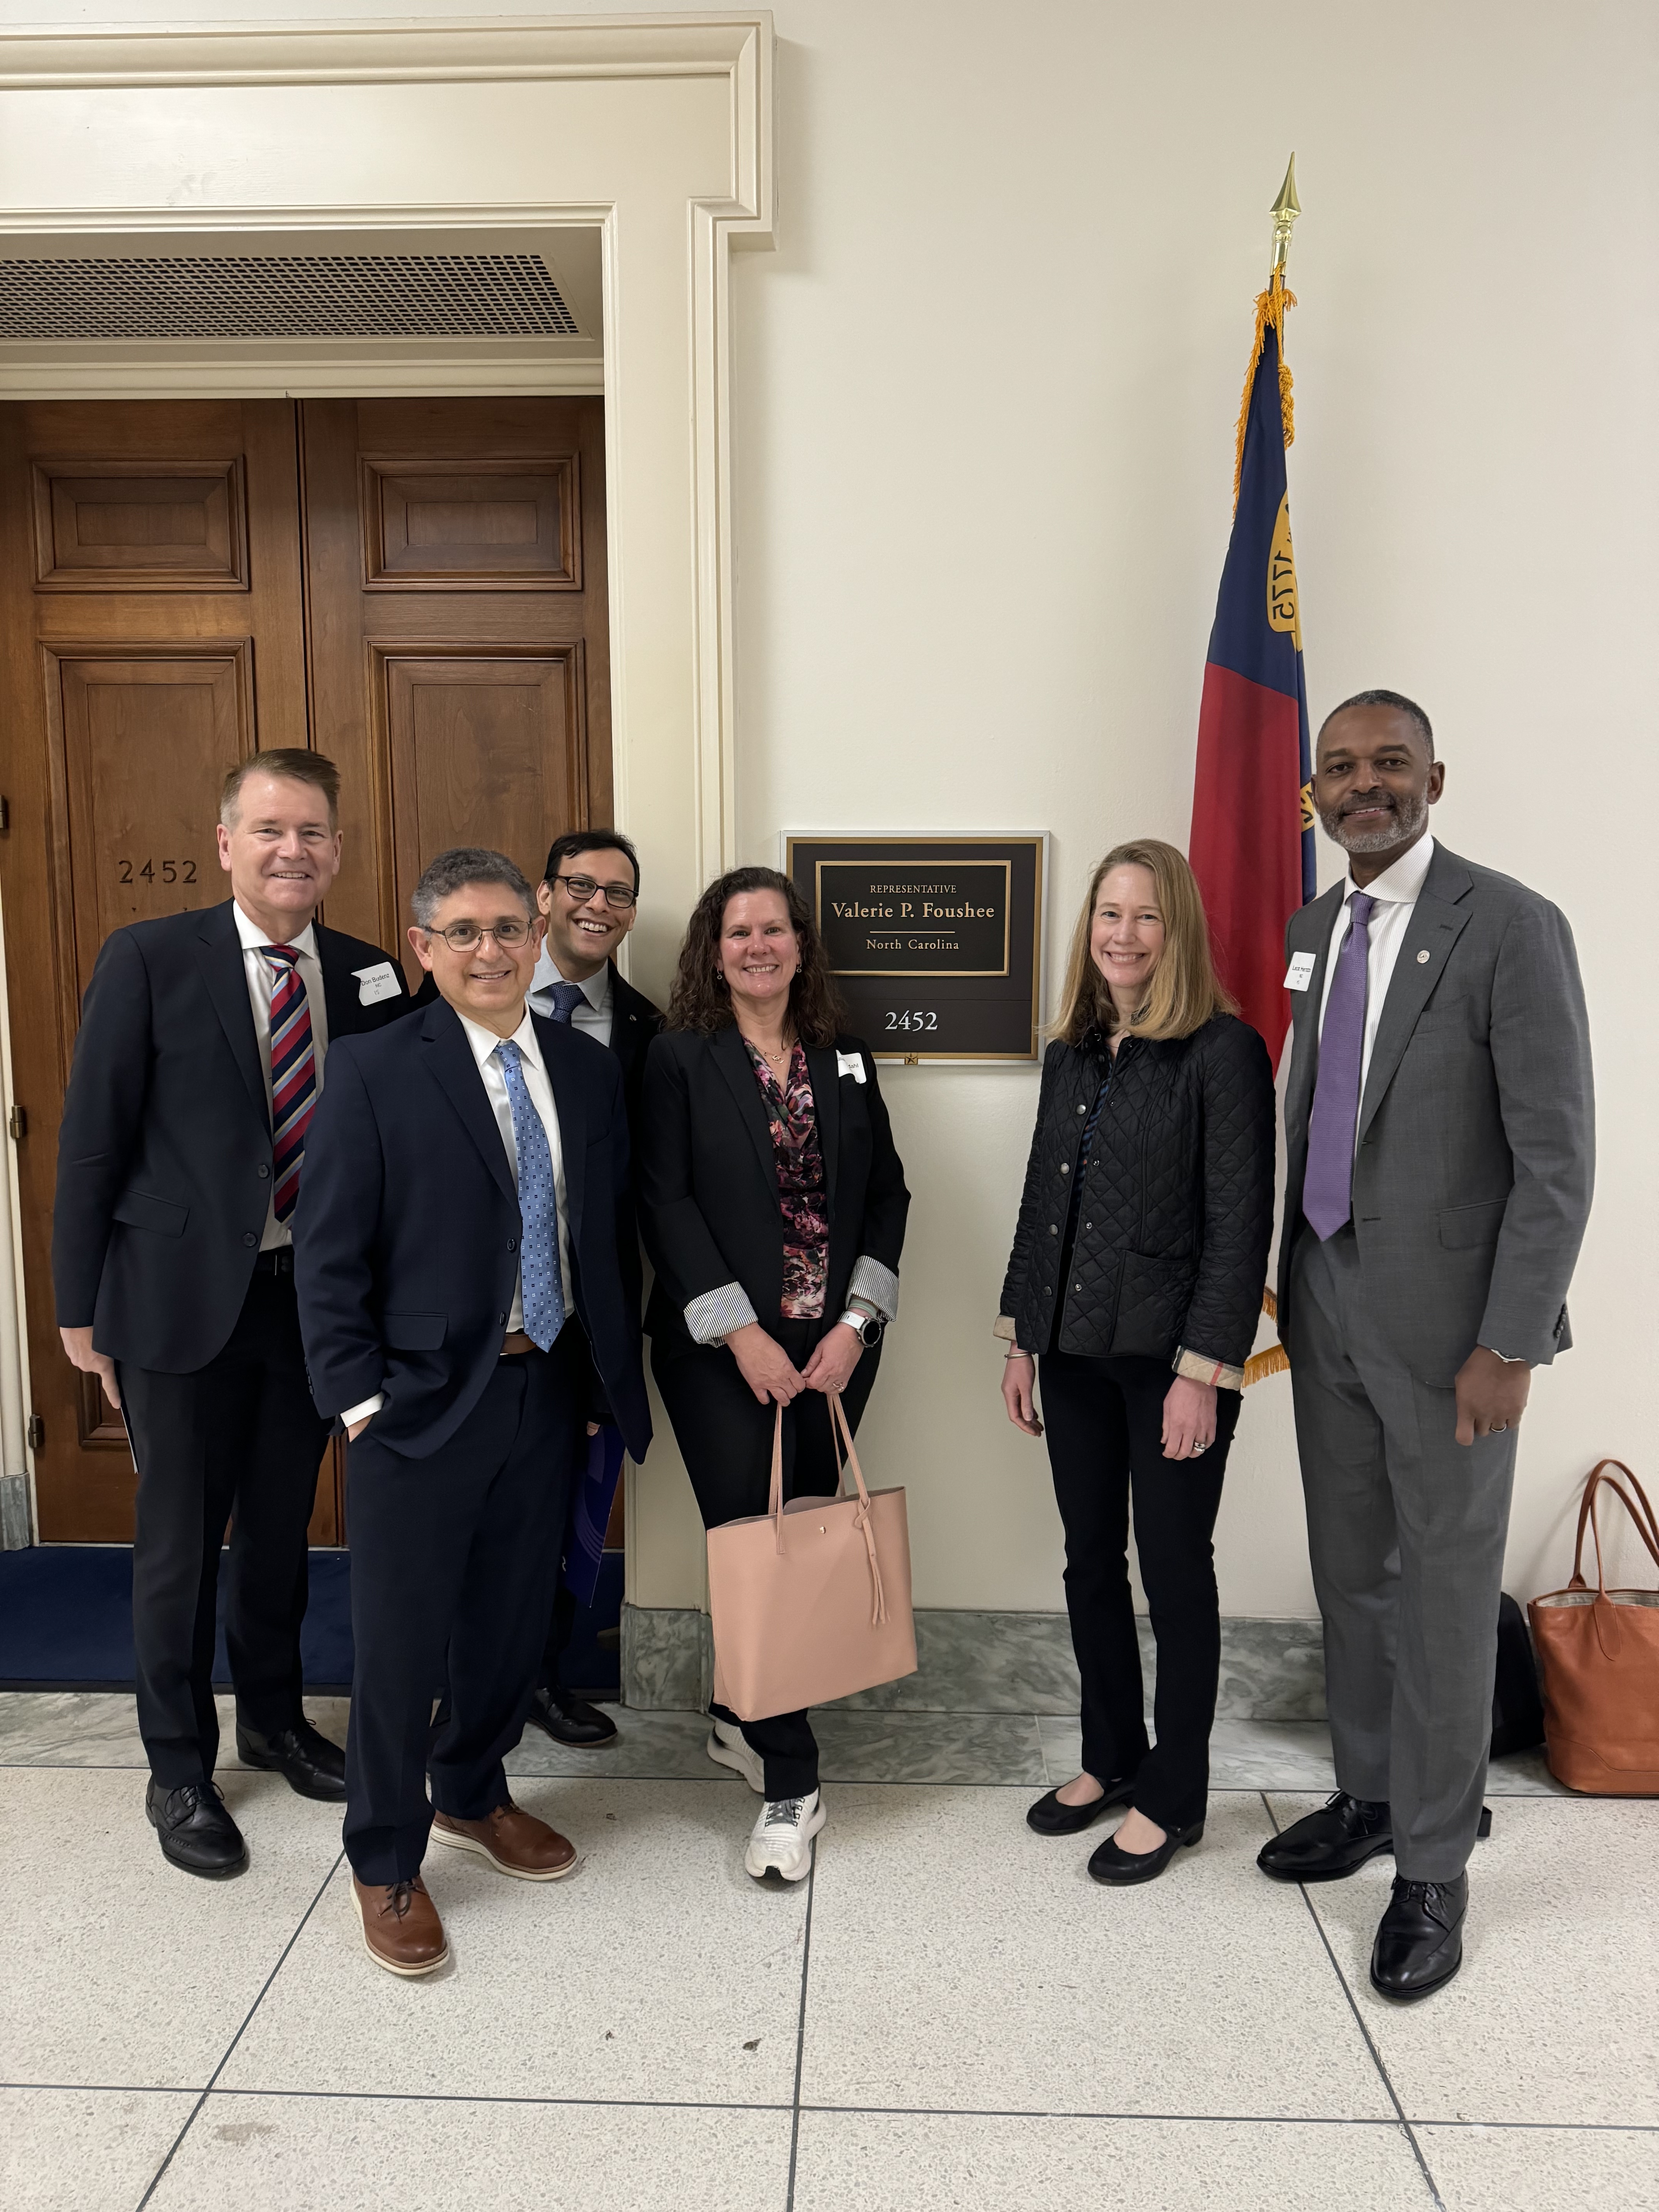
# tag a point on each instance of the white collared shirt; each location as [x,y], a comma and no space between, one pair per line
[484,1042]
[262,975]
[593,1015]
[1395,892]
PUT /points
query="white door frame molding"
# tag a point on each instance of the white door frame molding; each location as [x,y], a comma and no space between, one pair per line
[658,129]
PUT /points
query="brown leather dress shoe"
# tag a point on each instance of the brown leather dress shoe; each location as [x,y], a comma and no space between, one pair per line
[401,1931]
[513,1841]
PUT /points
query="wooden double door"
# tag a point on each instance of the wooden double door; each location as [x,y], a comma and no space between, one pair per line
[414,587]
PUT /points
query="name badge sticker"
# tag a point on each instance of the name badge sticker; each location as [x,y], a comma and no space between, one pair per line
[381,981]
[850,1063]
[1299,974]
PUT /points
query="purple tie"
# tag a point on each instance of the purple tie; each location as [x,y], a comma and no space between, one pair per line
[1327,1186]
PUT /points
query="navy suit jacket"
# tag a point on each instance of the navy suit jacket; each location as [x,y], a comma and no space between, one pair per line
[164,1152]
[406,1234]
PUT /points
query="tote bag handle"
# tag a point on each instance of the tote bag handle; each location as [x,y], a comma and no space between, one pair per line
[1646,1526]
[839,1430]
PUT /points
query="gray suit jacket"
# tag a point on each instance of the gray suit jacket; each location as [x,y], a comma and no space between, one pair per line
[1475,1151]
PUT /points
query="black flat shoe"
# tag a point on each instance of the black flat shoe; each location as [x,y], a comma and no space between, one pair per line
[571,1721]
[1049,1817]
[1119,1870]
[311,1766]
[1419,1940]
[196,1833]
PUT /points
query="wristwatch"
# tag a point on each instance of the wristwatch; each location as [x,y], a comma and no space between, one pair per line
[869,1326]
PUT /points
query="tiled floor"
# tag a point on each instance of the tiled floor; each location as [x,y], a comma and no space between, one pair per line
[948,2014]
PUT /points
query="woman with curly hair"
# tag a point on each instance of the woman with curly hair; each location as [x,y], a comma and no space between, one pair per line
[1133,1292]
[772,1203]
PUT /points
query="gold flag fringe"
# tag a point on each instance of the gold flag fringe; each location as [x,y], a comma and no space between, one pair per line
[1270,307]
[1275,1360]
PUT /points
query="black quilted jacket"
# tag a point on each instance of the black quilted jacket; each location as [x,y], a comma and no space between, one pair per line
[1177,1212]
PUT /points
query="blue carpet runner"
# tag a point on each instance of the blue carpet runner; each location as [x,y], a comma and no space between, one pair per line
[66,1622]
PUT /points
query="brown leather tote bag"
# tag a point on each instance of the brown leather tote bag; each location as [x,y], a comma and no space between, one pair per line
[810,1600]
[1598,1652]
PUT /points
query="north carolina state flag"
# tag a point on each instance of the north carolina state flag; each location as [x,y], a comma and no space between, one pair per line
[1252,840]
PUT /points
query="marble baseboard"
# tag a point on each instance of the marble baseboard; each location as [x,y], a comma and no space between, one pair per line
[15,1534]
[991,1662]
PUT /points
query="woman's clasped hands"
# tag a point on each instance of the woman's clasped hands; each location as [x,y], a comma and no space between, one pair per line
[767,1369]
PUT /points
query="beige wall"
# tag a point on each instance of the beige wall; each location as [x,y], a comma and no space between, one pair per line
[985,392]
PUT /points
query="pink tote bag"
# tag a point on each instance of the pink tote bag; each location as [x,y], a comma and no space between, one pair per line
[810,1600]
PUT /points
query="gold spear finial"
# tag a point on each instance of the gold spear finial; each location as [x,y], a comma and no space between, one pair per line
[1285,210]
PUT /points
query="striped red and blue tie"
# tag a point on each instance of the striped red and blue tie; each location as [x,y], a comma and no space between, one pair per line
[292,1073]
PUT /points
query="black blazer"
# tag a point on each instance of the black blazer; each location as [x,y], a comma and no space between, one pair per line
[709,1185]
[634,1021]
[406,1234]
[164,1152]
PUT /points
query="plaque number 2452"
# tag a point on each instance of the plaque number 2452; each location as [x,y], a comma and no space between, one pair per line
[912,1018]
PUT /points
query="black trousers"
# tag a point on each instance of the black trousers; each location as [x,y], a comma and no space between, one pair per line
[241,1441]
[453,1563]
[724,1437]
[1103,1418]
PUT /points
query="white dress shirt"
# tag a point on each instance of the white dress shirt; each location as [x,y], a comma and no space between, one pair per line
[262,975]
[593,1015]
[484,1042]
[1395,891]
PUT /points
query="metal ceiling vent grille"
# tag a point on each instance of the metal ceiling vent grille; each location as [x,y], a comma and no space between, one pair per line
[287,295]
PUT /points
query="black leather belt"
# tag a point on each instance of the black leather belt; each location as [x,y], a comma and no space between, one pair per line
[277,1262]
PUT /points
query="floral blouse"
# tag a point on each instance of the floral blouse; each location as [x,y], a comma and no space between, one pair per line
[802,1195]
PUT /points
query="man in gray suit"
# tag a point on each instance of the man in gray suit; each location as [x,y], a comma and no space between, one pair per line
[1440,1133]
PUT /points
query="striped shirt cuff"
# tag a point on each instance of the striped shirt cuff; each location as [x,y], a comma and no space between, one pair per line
[1198,1369]
[717,1313]
[878,1284]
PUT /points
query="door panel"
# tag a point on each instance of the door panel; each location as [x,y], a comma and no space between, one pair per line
[151,615]
[459,632]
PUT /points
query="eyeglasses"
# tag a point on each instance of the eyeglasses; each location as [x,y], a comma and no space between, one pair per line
[582,887]
[462,936]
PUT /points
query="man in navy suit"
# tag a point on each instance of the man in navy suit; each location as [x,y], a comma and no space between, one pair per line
[468,1277]
[180,1156]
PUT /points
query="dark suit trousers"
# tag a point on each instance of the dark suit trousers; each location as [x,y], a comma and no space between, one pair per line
[724,1437]
[453,1564]
[1406,1531]
[1103,1420]
[241,1441]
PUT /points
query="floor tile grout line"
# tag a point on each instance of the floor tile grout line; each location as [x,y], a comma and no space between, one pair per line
[876,2112]
[190,2119]
[800,2034]
[1359,2023]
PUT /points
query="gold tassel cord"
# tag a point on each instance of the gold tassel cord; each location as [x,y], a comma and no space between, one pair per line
[1270,306]
[1275,1360]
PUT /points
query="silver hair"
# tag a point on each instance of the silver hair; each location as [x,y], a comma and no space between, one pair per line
[454,870]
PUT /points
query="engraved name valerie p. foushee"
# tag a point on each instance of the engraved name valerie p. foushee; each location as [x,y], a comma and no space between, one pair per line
[936,942]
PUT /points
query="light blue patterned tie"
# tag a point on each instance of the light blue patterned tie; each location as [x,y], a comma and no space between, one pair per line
[566,998]
[538,1252]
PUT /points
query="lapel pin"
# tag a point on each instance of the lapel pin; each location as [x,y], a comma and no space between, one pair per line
[1421,957]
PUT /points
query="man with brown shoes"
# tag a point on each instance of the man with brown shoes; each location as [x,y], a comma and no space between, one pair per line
[468,1280]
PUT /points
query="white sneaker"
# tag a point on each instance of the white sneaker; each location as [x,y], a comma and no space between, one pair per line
[781,1845]
[727,1747]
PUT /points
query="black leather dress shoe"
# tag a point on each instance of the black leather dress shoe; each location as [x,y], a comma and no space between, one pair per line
[1325,1845]
[198,1834]
[572,1720]
[1119,1870]
[1049,1817]
[309,1763]
[1419,1940]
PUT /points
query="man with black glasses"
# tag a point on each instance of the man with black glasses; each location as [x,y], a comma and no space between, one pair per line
[589,898]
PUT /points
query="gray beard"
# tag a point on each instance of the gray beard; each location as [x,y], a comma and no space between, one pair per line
[1410,815]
